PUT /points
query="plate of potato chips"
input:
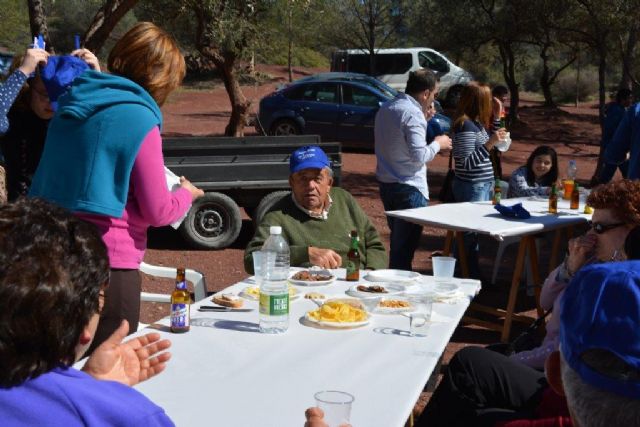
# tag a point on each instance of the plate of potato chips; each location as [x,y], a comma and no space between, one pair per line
[253,293]
[339,313]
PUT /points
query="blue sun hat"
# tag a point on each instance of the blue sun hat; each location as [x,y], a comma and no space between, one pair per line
[308,157]
[58,75]
[601,310]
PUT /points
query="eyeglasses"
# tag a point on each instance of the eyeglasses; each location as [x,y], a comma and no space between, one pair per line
[600,228]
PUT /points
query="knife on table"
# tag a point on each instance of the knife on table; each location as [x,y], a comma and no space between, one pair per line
[221,308]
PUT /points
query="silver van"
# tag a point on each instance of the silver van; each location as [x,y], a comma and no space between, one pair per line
[392,66]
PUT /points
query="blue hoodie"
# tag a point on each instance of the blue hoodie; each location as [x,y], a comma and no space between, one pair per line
[92,144]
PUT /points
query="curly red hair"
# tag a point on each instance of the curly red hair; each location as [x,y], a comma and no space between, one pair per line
[622,197]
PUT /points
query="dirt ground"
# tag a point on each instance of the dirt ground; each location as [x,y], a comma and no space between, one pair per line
[573,132]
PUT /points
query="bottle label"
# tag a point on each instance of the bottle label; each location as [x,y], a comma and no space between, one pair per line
[352,267]
[181,285]
[274,305]
[179,315]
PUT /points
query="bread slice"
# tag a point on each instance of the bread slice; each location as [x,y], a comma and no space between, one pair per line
[228,300]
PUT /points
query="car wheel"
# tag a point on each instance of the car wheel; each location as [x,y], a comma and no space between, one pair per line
[213,222]
[266,204]
[285,127]
[453,96]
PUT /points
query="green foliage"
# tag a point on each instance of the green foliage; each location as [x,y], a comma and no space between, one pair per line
[14,25]
[301,57]
[564,91]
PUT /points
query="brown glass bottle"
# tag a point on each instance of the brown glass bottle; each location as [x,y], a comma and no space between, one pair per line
[575,197]
[497,193]
[180,304]
[353,259]
[553,200]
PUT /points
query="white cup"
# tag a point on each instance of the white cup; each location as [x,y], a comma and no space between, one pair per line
[443,267]
[336,406]
[258,263]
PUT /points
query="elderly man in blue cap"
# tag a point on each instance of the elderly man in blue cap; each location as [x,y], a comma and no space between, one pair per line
[317,218]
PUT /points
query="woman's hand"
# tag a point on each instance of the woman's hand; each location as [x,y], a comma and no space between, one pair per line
[32,58]
[581,250]
[495,138]
[195,191]
[87,56]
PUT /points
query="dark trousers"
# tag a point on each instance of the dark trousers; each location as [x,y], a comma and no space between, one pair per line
[482,387]
[405,236]
[122,301]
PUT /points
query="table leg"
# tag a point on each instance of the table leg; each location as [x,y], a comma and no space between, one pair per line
[557,238]
[535,271]
[462,254]
[515,283]
[448,242]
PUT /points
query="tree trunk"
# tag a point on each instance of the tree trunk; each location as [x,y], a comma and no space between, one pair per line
[545,78]
[104,22]
[239,104]
[627,58]
[290,44]
[509,73]
[602,68]
[38,21]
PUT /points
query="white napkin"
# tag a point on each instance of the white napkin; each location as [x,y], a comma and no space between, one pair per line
[173,183]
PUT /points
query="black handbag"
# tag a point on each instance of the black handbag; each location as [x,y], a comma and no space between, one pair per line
[527,340]
[446,191]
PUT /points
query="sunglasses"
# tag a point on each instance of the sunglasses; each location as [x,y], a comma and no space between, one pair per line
[600,228]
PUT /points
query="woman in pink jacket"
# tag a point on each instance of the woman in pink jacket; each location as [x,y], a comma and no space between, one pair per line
[616,212]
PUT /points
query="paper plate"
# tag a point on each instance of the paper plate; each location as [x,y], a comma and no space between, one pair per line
[253,293]
[337,325]
[313,282]
[401,276]
[391,289]
[393,310]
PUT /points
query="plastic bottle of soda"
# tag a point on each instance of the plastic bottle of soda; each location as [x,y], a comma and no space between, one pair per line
[274,290]
[353,258]
[180,304]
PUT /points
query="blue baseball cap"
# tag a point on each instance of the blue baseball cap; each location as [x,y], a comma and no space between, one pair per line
[601,310]
[309,157]
[58,75]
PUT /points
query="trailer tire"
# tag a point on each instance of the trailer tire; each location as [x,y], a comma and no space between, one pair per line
[213,222]
[266,204]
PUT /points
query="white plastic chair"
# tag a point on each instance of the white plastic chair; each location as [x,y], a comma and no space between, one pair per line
[195,277]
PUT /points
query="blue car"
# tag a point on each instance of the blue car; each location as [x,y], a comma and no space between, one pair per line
[336,106]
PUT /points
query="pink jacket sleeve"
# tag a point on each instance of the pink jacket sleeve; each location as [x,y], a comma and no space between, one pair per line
[157,204]
[551,289]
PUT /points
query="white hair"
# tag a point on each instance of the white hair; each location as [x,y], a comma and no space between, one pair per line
[594,407]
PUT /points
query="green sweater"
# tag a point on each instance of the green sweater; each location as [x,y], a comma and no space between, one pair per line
[302,231]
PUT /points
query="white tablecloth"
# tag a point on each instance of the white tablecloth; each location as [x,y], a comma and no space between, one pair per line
[225,373]
[482,217]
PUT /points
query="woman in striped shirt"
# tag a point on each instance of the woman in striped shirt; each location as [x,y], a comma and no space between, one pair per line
[471,146]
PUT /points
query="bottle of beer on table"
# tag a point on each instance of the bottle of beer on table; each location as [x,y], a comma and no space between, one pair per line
[575,197]
[497,193]
[180,304]
[553,200]
[353,258]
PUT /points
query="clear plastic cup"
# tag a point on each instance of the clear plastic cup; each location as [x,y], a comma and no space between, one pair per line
[258,263]
[443,267]
[420,317]
[336,406]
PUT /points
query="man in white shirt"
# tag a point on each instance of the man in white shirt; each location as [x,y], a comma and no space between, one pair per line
[402,153]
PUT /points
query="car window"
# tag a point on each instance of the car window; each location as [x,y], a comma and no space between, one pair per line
[321,92]
[387,63]
[354,95]
[295,93]
[433,61]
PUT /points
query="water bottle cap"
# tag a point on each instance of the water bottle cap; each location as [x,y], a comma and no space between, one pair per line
[275,229]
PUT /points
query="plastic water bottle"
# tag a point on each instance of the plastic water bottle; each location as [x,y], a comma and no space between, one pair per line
[572,170]
[274,290]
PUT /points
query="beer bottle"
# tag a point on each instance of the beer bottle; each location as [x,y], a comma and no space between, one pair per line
[553,200]
[497,193]
[180,304]
[503,120]
[353,259]
[575,197]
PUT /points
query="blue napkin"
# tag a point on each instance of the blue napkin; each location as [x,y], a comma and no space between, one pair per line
[515,211]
